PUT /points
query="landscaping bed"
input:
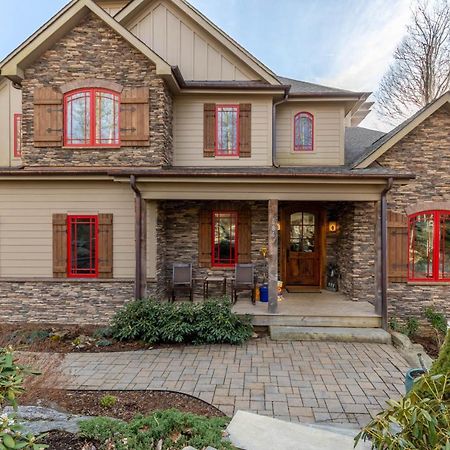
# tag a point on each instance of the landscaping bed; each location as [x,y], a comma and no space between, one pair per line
[429,344]
[59,440]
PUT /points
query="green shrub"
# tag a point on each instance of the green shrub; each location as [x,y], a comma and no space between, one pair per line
[439,323]
[409,328]
[102,333]
[442,363]
[420,420]
[108,401]
[175,429]
[209,322]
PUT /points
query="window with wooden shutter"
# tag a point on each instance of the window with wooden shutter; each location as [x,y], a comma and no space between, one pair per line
[204,238]
[397,247]
[245,236]
[135,117]
[245,130]
[105,245]
[209,130]
[48,117]
[60,245]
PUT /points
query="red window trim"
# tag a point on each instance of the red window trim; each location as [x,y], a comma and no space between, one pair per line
[303,148]
[237,150]
[17,130]
[236,237]
[70,220]
[436,245]
[92,138]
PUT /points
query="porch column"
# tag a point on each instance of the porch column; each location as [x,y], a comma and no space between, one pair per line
[272,258]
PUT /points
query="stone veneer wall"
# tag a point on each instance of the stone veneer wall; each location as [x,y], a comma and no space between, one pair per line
[181,235]
[62,301]
[93,50]
[426,153]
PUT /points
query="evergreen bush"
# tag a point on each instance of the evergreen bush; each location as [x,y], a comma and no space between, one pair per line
[442,363]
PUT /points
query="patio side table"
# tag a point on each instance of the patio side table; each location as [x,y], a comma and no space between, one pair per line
[216,280]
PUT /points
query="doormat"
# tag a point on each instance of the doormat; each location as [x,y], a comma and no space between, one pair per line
[303,289]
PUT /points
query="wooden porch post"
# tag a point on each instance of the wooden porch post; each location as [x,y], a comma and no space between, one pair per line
[273,256]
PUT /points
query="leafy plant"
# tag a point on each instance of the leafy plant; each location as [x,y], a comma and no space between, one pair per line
[442,363]
[108,401]
[420,420]
[102,333]
[438,321]
[37,336]
[166,430]
[409,328]
[210,322]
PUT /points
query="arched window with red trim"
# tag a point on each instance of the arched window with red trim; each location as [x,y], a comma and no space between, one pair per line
[429,246]
[303,132]
[91,118]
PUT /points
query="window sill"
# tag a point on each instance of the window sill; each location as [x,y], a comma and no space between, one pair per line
[428,283]
[113,147]
[223,157]
[302,152]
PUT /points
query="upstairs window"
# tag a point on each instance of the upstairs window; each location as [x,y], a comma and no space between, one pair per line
[91,118]
[82,246]
[17,135]
[224,238]
[303,132]
[227,130]
[429,246]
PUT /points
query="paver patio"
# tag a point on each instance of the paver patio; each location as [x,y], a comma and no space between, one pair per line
[297,381]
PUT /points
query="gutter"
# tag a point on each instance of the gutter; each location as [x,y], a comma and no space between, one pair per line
[274,128]
[138,291]
[384,250]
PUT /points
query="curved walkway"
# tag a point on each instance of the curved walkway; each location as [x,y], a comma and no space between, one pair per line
[298,381]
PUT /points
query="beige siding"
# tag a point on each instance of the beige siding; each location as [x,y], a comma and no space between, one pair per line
[188,131]
[152,220]
[181,42]
[328,135]
[26,210]
[112,7]
[10,103]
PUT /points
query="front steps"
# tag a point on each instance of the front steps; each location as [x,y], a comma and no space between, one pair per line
[267,320]
[329,333]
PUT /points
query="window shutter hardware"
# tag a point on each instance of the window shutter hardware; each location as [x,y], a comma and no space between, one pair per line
[50,110]
[49,130]
[129,108]
[133,129]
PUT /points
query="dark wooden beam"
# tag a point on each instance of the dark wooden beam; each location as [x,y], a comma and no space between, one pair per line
[273,256]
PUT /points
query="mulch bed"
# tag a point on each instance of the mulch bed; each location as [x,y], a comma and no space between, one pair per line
[59,440]
[429,344]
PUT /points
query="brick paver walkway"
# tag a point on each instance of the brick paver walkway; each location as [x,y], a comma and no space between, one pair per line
[306,381]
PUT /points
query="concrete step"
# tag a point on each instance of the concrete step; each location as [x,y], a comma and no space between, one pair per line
[267,320]
[333,334]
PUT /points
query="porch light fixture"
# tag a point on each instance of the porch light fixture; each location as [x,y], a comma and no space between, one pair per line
[279,225]
[332,226]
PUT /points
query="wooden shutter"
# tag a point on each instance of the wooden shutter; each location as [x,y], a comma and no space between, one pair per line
[209,130]
[245,130]
[135,117]
[204,238]
[60,245]
[397,247]
[244,236]
[48,117]
[105,245]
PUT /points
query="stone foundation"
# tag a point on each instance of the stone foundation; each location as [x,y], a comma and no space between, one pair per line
[63,302]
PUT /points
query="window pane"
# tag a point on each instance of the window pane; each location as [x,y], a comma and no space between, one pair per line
[444,247]
[421,246]
[303,132]
[107,118]
[224,239]
[83,246]
[78,116]
[303,232]
[227,130]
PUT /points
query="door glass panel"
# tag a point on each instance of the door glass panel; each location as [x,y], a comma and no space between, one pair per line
[302,232]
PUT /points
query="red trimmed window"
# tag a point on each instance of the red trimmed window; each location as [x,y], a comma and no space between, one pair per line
[17,135]
[82,243]
[224,238]
[303,132]
[91,118]
[429,246]
[227,130]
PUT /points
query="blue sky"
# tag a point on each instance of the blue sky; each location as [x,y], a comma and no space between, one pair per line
[342,43]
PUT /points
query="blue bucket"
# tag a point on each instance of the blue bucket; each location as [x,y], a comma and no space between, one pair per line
[411,375]
[264,293]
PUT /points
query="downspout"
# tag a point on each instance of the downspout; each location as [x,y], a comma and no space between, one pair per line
[274,128]
[384,250]
[138,294]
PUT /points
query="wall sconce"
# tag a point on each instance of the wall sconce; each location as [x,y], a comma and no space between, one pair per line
[279,225]
[332,226]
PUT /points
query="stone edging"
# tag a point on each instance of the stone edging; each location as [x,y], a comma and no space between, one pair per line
[410,351]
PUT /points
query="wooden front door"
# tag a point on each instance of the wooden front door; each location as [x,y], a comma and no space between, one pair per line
[302,247]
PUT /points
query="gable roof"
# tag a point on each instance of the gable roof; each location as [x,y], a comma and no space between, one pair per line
[12,66]
[130,10]
[384,143]
[357,140]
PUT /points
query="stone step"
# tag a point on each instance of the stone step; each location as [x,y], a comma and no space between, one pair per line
[336,334]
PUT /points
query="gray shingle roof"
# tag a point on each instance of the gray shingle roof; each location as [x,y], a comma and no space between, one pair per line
[357,141]
[304,88]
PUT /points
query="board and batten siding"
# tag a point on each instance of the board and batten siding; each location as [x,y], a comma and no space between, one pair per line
[328,135]
[183,43]
[10,104]
[188,131]
[26,210]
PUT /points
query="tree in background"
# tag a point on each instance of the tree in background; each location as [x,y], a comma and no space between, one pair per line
[420,72]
